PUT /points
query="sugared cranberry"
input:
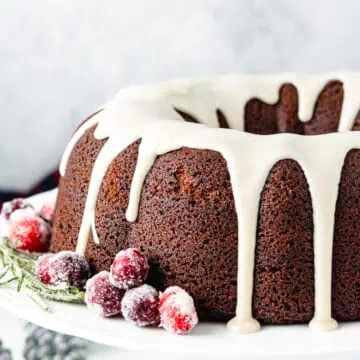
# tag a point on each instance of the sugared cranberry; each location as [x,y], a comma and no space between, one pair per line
[42,267]
[47,212]
[28,231]
[68,269]
[129,269]
[177,311]
[102,297]
[170,291]
[140,306]
[16,204]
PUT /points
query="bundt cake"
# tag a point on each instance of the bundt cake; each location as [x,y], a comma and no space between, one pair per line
[237,188]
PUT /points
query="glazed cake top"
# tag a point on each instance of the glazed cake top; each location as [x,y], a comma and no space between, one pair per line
[150,113]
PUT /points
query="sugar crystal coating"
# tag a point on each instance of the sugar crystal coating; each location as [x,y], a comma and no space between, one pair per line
[129,269]
[42,268]
[177,311]
[28,231]
[9,207]
[47,212]
[69,269]
[102,297]
[140,306]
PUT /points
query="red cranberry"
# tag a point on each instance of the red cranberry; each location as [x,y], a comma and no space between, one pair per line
[47,212]
[129,269]
[42,267]
[140,306]
[28,231]
[69,269]
[170,291]
[177,311]
[9,207]
[102,297]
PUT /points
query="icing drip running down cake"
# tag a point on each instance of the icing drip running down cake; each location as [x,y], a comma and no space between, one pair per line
[223,185]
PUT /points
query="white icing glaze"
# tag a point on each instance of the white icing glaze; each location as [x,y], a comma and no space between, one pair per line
[75,138]
[147,113]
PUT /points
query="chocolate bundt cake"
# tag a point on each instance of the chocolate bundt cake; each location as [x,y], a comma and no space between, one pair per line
[243,190]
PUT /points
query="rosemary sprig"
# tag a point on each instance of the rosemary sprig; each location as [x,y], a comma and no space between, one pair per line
[19,266]
[4,271]
[6,282]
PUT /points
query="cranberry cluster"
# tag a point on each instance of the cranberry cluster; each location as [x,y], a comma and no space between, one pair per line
[122,291]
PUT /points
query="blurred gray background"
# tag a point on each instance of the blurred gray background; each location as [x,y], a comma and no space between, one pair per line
[60,59]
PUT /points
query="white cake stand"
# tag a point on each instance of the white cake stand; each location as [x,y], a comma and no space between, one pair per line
[207,339]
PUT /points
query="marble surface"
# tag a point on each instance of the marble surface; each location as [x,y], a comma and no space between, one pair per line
[59,59]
